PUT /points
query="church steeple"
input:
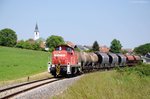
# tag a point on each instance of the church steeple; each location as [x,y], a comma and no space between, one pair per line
[36,32]
[36,28]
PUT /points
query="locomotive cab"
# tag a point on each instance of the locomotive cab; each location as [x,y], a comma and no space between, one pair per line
[64,59]
[63,55]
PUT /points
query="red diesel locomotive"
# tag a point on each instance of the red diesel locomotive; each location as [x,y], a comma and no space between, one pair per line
[67,61]
[64,61]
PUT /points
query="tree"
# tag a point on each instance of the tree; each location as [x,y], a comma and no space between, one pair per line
[95,46]
[115,46]
[142,49]
[54,41]
[8,37]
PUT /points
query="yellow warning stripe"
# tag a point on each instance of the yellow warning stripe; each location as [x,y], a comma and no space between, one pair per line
[57,69]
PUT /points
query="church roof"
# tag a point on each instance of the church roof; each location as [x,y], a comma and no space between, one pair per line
[36,28]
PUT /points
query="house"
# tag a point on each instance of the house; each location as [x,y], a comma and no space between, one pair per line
[104,49]
[128,50]
[147,55]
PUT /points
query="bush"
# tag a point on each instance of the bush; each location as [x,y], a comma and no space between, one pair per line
[36,46]
[141,70]
[28,45]
[20,44]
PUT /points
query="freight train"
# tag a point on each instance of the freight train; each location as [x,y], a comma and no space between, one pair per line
[67,61]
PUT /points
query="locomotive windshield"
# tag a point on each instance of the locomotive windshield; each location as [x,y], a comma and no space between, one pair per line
[69,49]
[58,48]
[66,48]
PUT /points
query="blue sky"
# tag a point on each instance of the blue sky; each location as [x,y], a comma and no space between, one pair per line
[80,21]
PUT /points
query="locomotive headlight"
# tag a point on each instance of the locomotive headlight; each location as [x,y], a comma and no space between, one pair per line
[49,66]
[49,63]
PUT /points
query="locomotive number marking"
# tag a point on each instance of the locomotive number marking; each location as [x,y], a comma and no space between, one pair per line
[59,55]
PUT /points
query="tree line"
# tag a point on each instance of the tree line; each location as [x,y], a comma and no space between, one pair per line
[114,48]
[8,37]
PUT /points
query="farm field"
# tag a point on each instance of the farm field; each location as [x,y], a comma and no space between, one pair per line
[129,83]
[18,63]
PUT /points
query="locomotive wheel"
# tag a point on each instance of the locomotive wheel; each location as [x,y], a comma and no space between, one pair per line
[73,71]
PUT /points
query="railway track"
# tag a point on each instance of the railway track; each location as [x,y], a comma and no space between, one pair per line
[12,91]
[21,88]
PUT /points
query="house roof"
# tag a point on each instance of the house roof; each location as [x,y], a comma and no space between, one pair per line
[70,44]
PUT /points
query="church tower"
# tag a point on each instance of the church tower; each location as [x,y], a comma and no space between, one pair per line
[36,32]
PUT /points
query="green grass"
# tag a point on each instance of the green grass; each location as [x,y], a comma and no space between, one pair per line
[109,85]
[17,63]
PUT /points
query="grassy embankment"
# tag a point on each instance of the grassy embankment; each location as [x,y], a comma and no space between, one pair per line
[127,83]
[18,63]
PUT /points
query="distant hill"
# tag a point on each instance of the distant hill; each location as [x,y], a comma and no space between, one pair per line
[17,63]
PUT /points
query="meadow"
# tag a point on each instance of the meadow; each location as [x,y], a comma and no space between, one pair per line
[18,63]
[126,83]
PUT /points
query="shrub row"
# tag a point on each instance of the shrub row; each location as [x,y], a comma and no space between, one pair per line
[28,45]
[140,69]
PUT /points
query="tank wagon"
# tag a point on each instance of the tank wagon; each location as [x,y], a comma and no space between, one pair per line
[66,61]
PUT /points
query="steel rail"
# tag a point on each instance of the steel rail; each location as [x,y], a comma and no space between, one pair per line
[27,89]
[23,84]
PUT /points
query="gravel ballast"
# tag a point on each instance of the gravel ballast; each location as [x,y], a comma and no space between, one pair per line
[49,90]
